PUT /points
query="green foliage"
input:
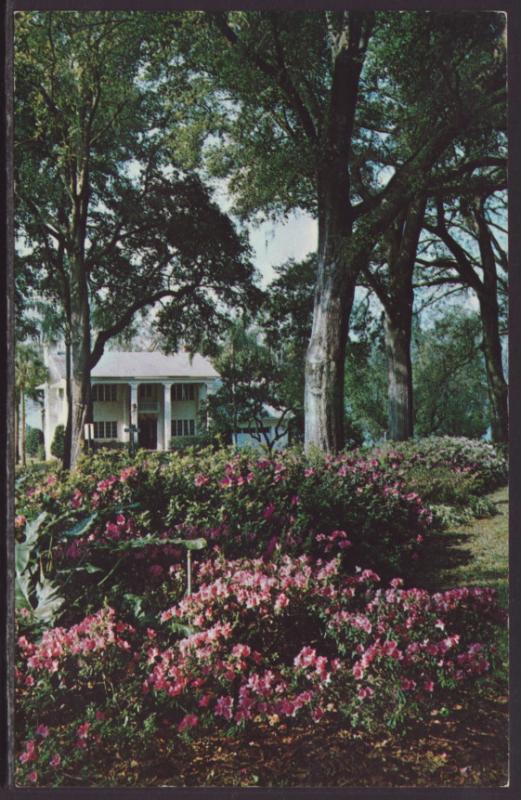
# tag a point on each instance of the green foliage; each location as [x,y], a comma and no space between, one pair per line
[34,442]
[450,379]
[58,442]
[253,381]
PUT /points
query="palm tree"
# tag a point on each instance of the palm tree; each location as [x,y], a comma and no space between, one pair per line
[30,372]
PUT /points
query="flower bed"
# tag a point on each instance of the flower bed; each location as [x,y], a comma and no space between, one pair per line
[243,504]
[258,644]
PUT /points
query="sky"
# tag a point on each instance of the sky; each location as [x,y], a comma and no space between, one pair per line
[275,243]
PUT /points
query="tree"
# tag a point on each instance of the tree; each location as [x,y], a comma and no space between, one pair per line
[450,379]
[252,377]
[30,372]
[296,90]
[477,257]
[111,226]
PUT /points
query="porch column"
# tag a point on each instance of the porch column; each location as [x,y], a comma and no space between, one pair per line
[167,415]
[133,403]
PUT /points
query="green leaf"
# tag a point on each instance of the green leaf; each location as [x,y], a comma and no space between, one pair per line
[190,544]
[82,526]
[32,528]
[22,557]
[22,593]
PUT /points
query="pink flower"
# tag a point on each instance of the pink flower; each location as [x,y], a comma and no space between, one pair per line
[224,707]
[190,721]
[281,602]
[42,730]
[100,715]
[55,760]
[20,521]
[226,482]
[77,498]
[396,583]
[268,511]
[317,713]
[201,480]
[365,691]
[33,776]
[205,700]
[428,686]
[82,731]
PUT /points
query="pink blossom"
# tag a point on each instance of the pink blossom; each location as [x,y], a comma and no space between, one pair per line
[269,511]
[224,707]
[42,730]
[82,731]
[55,760]
[20,521]
[201,480]
[33,776]
[189,721]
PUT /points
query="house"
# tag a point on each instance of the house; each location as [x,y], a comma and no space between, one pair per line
[160,394]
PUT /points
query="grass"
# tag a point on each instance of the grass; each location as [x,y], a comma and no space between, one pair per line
[472,554]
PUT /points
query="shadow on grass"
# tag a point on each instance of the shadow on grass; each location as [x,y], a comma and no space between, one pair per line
[443,553]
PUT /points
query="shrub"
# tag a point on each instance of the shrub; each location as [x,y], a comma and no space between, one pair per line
[258,643]
[241,503]
[34,442]
[58,442]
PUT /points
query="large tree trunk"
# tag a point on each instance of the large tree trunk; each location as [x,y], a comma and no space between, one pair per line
[325,359]
[66,461]
[489,309]
[400,391]
[403,246]
[338,267]
[498,389]
[80,341]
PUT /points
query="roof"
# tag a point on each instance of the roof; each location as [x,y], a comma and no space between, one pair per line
[117,364]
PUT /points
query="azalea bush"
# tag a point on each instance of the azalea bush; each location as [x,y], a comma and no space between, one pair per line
[447,470]
[259,643]
[243,503]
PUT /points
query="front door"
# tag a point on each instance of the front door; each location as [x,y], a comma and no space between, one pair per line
[147,436]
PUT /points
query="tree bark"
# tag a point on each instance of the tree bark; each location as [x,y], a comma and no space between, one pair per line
[400,390]
[498,389]
[337,267]
[68,393]
[325,358]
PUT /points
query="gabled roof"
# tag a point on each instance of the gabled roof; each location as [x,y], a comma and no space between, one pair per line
[145,365]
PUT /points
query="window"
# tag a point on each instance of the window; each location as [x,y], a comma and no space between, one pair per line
[183,391]
[106,392]
[105,430]
[147,391]
[183,427]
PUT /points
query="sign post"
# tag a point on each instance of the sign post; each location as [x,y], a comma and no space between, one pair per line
[132,430]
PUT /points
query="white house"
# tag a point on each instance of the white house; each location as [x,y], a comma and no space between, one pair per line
[160,394]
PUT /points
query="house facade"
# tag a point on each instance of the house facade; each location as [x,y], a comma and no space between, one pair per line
[161,395]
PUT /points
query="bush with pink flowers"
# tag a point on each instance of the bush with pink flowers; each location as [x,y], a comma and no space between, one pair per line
[241,503]
[259,643]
